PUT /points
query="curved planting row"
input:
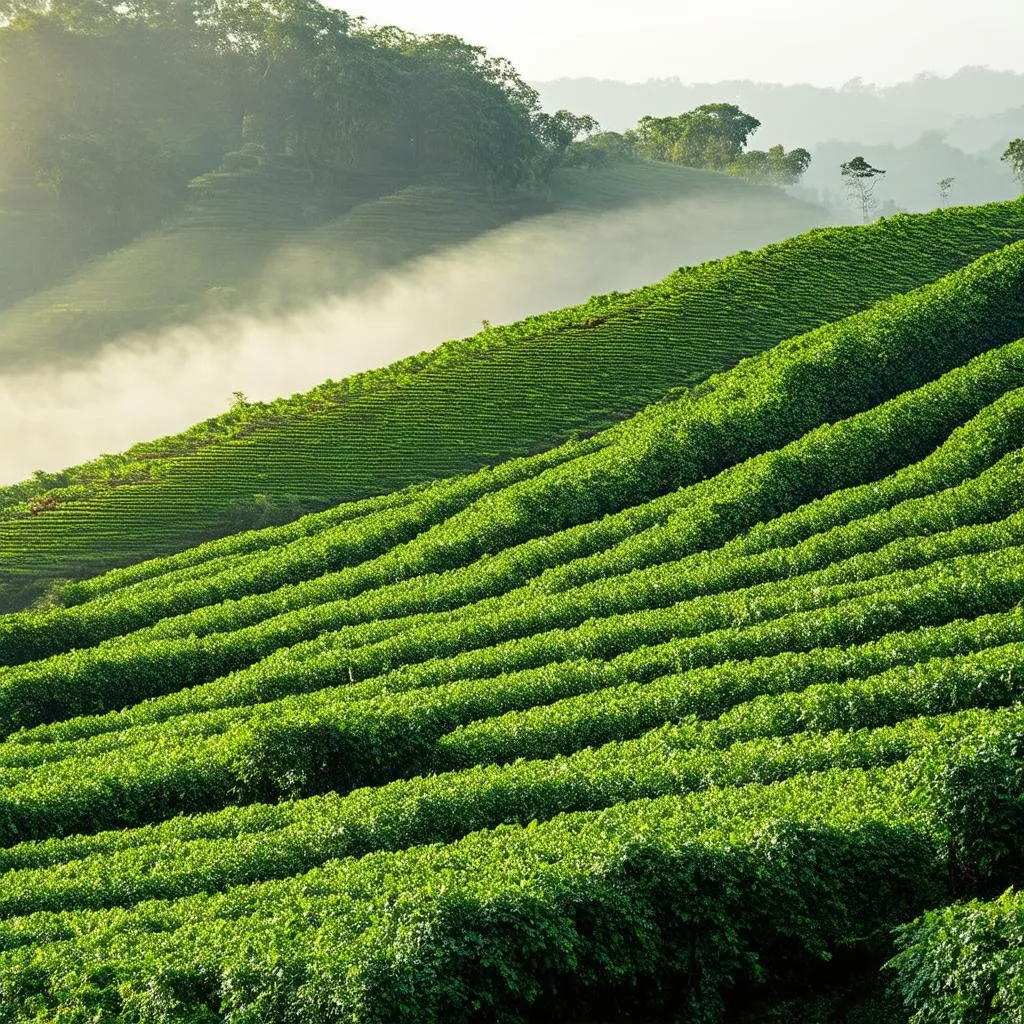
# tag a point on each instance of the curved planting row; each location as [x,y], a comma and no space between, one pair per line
[508,391]
[680,723]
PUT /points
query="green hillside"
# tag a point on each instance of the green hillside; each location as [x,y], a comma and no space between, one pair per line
[677,722]
[232,245]
[507,392]
[214,250]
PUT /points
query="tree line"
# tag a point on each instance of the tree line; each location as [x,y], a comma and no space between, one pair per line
[109,108]
[713,136]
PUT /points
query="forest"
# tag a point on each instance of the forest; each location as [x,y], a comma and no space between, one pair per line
[152,94]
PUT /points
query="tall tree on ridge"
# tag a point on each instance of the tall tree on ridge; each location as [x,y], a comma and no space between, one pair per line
[1014,156]
[860,179]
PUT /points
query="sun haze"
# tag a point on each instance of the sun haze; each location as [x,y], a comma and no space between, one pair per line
[824,42]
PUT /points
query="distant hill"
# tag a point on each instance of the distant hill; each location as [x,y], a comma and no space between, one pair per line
[218,253]
[506,392]
[912,174]
[806,115]
[988,134]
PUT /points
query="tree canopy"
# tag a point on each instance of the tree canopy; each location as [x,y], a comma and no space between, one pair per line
[1014,156]
[151,93]
[712,136]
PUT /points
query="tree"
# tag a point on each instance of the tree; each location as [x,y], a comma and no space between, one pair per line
[601,149]
[109,108]
[1014,156]
[710,136]
[713,135]
[945,186]
[774,167]
[860,179]
[654,137]
[557,132]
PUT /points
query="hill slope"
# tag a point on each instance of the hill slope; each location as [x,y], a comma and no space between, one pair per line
[755,645]
[233,243]
[507,392]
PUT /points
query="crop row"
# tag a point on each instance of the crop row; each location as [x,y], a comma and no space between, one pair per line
[610,712]
[966,453]
[125,868]
[628,709]
[849,613]
[737,415]
[606,620]
[26,636]
[851,622]
[312,744]
[86,682]
[971,449]
[692,892]
[910,424]
[474,647]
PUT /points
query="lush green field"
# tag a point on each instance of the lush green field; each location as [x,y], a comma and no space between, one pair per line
[507,392]
[238,229]
[678,722]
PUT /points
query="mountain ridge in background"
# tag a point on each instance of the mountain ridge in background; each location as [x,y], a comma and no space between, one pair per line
[919,131]
[806,115]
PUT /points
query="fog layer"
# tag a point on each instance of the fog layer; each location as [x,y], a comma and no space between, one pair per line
[143,387]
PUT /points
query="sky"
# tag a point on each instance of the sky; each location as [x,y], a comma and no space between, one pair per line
[823,42]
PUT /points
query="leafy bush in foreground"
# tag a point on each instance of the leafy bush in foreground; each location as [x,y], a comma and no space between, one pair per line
[964,964]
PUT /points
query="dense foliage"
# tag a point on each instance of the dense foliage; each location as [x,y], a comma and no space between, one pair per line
[964,964]
[1014,156]
[693,719]
[152,95]
[311,448]
[713,136]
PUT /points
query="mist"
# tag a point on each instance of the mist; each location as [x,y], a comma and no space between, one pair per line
[142,387]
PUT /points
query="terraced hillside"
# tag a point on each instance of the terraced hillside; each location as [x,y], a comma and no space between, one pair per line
[675,723]
[507,392]
[218,251]
[239,228]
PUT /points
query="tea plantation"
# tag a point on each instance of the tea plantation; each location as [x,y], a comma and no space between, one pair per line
[712,715]
[507,392]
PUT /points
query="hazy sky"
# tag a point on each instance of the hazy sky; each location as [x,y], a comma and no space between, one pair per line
[826,42]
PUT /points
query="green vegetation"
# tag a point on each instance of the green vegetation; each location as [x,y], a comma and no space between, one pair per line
[224,248]
[151,95]
[1014,156]
[263,461]
[713,136]
[258,241]
[712,715]
[188,164]
[963,963]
